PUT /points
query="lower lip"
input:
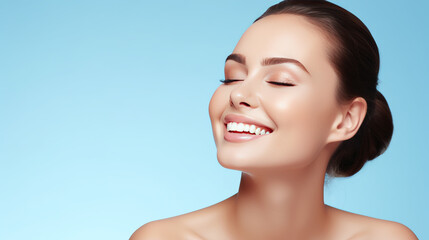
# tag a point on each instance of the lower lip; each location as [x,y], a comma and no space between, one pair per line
[240,137]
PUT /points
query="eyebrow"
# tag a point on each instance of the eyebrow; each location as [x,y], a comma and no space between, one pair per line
[267,61]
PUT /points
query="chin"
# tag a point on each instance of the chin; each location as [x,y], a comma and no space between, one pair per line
[228,161]
[253,164]
[235,161]
[243,162]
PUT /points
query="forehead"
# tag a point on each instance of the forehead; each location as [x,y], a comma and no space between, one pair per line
[285,35]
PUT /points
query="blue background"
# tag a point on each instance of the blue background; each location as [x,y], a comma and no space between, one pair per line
[104,121]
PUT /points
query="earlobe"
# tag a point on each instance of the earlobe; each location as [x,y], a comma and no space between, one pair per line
[349,120]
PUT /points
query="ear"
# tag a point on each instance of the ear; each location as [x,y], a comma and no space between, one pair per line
[348,120]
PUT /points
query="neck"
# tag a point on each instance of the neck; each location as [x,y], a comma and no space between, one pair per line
[281,206]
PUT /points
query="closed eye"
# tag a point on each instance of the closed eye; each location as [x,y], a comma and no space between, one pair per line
[282,83]
[226,81]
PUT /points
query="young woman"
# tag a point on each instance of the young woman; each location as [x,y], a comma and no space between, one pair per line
[299,101]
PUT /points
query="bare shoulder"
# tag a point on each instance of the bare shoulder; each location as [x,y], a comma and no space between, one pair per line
[360,227]
[196,225]
[164,229]
[391,230]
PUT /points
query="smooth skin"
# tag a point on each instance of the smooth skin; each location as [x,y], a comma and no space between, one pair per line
[283,173]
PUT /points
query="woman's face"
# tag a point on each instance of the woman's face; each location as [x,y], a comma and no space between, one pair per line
[299,117]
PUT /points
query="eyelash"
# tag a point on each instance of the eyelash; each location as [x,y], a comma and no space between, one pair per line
[226,81]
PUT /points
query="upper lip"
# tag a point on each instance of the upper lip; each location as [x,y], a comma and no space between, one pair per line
[243,119]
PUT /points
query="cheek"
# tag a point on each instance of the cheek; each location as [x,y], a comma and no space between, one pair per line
[303,121]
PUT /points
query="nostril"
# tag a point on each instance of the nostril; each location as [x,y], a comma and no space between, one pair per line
[246,104]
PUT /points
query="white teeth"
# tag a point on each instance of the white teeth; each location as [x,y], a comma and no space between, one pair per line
[252,129]
[242,127]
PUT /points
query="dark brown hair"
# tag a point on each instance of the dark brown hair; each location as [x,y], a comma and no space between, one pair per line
[356,60]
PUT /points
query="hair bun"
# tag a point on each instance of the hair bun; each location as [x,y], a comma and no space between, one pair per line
[371,140]
[380,127]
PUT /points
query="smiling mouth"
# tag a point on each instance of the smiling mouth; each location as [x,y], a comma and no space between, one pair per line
[247,129]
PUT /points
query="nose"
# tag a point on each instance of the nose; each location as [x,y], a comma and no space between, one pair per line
[244,95]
